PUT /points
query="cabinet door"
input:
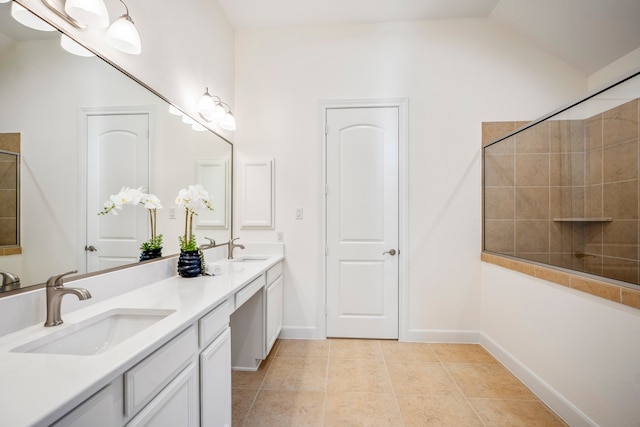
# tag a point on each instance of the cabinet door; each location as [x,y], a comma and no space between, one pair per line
[103,409]
[176,405]
[215,382]
[274,313]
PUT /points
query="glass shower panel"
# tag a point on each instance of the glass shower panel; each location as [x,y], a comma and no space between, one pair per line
[564,190]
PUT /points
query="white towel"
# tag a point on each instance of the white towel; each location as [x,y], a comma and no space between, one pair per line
[214,269]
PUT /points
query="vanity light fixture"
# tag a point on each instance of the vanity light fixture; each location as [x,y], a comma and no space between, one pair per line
[28,19]
[212,109]
[121,34]
[92,13]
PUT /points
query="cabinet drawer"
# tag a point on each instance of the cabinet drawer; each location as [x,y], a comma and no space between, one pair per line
[149,377]
[274,272]
[214,322]
[248,291]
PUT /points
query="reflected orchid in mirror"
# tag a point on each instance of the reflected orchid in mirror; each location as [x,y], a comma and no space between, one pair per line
[135,196]
[192,199]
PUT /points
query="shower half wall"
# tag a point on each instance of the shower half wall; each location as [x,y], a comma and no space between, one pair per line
[564,191]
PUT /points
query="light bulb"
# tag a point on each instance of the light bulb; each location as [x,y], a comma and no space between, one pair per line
[122,35]
[229,122]
[206,106]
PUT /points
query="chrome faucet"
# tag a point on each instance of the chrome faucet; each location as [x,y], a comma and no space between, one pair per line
[232,246]
[211,244]
[55,292]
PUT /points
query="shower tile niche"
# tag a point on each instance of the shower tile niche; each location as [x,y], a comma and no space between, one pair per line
[565,190]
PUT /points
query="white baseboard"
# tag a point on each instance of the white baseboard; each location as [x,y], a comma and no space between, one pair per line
[554,400]
[442,336]
[299,333]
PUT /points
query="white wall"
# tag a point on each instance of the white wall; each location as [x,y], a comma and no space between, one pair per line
[456,74]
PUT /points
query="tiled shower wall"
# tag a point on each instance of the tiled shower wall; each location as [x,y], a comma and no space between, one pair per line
[9,189]
[565,192]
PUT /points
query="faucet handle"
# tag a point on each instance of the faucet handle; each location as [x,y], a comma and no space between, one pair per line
[56,280]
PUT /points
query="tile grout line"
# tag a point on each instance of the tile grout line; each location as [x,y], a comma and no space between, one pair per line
[395,395]
[466,399]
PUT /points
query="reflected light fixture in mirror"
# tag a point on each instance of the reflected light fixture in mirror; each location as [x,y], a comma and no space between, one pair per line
[93,13]
[121,35]
[26,18]
[212,109]
[74,47]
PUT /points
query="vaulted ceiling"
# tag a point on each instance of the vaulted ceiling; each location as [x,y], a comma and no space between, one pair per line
[587,34]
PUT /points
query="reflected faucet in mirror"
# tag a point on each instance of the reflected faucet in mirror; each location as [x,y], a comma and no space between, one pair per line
[55,292]
[9,280]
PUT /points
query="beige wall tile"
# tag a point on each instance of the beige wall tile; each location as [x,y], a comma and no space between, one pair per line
[532,169]
[631,297]
[620,200]
[499,236]
[534,139]
[593,134]
[10,142]
[620,269]
[596,288]
[594,167]
[499,203]
[553,276]
[532,203]
[620,124]
[494,130]
[593,201]
[532,236]
[620,239]
[499,170]
[620,162]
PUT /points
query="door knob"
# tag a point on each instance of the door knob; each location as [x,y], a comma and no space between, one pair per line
[90,248]
[391,252]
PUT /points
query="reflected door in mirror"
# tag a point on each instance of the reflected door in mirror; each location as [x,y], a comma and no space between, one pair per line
[117,156]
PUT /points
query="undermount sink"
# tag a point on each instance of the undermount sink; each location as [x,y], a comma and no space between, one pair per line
[96,334]
[250,259]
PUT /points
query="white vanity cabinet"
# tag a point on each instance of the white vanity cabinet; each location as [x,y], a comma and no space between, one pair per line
[273,306]
[215,367]
[103,409]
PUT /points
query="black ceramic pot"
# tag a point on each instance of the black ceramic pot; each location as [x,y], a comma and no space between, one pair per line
[189,264]
[150,254]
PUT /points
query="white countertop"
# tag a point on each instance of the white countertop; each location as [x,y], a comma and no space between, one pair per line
[37,389]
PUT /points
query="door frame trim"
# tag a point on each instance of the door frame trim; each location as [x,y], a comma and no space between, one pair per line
[83,116]
[403,209]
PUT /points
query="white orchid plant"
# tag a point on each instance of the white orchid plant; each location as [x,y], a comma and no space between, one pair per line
[135,196]
[191,199]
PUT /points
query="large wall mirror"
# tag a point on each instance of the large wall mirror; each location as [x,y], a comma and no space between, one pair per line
[61,104]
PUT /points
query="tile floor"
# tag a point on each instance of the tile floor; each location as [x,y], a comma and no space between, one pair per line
[344,382]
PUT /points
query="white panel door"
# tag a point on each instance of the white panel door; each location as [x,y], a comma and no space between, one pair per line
[362,222]
[117,156]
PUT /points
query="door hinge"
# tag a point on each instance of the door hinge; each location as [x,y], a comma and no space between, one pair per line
[326,250]
[326,129]
[326,311]
[326,190]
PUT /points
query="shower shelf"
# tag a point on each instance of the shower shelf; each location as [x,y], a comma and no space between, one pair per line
[583,219]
